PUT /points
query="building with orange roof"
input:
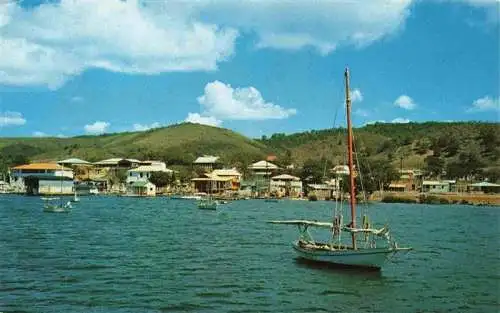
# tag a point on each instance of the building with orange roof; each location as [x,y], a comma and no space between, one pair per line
[41,178]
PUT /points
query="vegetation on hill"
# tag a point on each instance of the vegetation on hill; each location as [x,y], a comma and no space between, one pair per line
[451,150]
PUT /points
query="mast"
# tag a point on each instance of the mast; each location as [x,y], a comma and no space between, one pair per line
[350,158]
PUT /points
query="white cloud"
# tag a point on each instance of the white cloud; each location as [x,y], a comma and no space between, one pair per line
[405,102]
[375,122]
[356,95]
[11,119]
[205,120]
[143,127]
[97,127]
[226,103]
[486,103]
[297,24]
[39,134]
[48,43]
[76,99]
[400,120]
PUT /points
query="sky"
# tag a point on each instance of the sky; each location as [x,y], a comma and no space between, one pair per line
[74,67]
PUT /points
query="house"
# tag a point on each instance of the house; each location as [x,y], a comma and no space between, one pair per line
[434,186]
[321,191]
[485,187]
[81,168]
[263,169]
[211,183]
[409,180]
[74,162]
[232,174]
[117,163]
[143,172]
[207,162]
[41,178]
[340,170]
[286,186]
[141,188]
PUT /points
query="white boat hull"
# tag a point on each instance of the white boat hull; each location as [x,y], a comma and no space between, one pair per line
[370,258]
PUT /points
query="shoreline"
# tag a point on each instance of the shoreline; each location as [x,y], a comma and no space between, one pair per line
[437,198]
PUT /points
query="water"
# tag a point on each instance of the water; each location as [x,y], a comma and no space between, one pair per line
[115,254]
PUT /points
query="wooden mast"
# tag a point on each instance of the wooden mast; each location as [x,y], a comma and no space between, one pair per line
[350,158]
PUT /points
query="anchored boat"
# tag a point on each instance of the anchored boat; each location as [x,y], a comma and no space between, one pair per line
[369,247]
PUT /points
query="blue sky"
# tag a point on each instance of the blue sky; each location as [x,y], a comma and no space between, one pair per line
[86,66]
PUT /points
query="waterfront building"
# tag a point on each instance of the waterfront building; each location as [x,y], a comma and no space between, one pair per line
[41,178]
[233,175]
[434,186]
[286,186]
[143,172]
[141,188]
[321,191]
[211,183]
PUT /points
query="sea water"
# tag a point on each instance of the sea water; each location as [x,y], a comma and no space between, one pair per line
[118,254]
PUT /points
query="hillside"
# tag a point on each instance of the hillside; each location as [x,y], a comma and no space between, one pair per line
[177,144]
[430,145]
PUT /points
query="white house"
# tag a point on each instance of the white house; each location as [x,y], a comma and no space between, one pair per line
[208,162]
[263,168]
[143,172]
[36,178]
[141,188]
[286,185]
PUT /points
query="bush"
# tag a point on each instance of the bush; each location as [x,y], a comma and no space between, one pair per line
[312,198]
[431,199]
[396,199]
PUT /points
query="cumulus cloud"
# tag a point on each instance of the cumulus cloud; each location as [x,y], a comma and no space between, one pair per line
[356,95]
[486,103]
[48,43]
[405,102]
[143,127]
[297,24]
[97,127]
[227,103]
[400,120]
[205,120]
[11,119]
[39,134]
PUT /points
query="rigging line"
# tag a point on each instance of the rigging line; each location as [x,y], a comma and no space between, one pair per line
[365,206]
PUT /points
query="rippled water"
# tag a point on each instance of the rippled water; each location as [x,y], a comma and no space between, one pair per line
[115,254]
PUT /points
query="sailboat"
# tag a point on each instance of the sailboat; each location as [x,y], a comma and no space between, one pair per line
[208,203]
[57,208]
[369,247]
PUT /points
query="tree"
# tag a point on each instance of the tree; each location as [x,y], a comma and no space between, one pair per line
[161,179]
[312,171]
[434,165]
[468,164]
[118,176]
[375,173]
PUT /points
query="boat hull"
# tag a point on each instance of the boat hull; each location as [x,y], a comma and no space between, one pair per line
[368,258]
[55,209]
[207,205]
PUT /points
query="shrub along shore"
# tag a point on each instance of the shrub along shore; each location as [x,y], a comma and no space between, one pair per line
[445,198]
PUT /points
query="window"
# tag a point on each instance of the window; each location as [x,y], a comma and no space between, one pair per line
[140,175]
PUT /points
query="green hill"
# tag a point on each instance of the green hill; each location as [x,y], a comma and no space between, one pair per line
[430,145]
